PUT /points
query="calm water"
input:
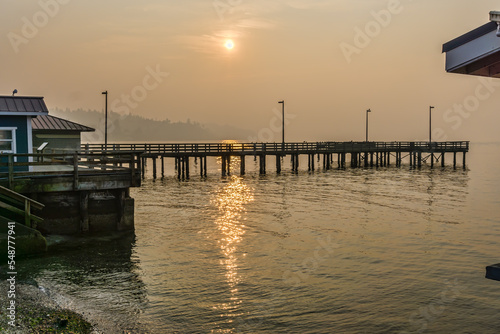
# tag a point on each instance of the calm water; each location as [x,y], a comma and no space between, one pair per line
[387,250]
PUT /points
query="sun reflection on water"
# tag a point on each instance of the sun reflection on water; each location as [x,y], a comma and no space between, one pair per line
[230,201]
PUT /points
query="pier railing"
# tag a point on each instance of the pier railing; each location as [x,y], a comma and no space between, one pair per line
[278,148]
[14,167]
[18,208]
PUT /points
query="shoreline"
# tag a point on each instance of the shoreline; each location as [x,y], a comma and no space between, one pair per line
[36,312]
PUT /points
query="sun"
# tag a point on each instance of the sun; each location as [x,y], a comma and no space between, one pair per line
[229,44]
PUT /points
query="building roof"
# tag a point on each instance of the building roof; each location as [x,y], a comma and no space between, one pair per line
[475,53]
[46,122]
[470,36]
[22,105]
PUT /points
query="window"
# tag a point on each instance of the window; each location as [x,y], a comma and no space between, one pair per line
[7,140]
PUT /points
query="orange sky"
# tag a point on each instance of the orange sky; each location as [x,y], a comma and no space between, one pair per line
[167,59]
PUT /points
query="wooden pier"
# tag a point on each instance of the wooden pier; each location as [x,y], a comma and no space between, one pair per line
[327,154]
[81,192]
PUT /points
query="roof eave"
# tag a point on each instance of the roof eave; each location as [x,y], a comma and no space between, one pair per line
[471,35]
[22,113]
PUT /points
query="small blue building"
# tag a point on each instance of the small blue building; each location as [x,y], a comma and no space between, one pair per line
[15,122]
[16,135]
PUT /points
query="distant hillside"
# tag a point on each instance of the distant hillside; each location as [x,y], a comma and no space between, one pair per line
[140,129]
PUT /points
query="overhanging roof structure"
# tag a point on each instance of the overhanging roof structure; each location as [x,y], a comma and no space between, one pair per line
[52,123]
[476,52]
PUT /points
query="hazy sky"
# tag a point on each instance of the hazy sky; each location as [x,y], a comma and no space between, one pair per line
[167,59]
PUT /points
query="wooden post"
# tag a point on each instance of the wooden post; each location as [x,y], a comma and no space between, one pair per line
[371,159]
[121,209]
[84,211]
[312,162]
[278,164]
[228,165]
[154,167]
[178,167]
[162,167]
[242,164]
[205,166]
[442,160]
[223,166]
[10,159]
[187,167]
[455,159]
[411,159]
[75,171]
[297,163]
[464,166]
[419,159]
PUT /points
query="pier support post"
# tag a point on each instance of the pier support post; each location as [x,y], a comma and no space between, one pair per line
[371,159]
[278,164]
[262,163]
[205,166]
[223,165]
[432,160]
[388,159]
[454,160]
[242,165]
[84,211]
[154,167]
[366,160]
[162,167]
[464,166]
[442,160]
[187,167]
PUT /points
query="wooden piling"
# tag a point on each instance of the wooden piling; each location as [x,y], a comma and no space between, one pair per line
[187,167]
[242,165]
[154,167]
[442,160]
[223,165]
[278,164]
[162,167]
[262,160]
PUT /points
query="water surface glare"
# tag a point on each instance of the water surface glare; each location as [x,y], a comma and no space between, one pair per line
[387,250]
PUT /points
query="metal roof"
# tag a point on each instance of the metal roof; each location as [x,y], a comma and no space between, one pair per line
[22,105]
[470,36]
[46,122]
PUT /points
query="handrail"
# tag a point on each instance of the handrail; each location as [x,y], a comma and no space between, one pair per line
[76,164]
[20,206]
[212,148]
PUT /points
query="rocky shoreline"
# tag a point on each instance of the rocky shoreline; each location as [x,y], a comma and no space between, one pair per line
[37,313]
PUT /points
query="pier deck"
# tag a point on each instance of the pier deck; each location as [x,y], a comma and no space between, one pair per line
[361,154]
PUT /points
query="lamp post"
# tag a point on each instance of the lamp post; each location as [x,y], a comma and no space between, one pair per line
[430,124]
[106,123]
[369,110]
[282,125]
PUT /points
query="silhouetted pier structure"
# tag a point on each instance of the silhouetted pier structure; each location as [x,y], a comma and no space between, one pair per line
[330,154]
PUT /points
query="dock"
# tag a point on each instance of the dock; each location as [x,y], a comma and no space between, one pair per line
[329,155]
[80,192]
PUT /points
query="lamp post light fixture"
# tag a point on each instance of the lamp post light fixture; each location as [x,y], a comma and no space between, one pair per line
[283,126]
[106,122]
[430,123]
[368,111]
